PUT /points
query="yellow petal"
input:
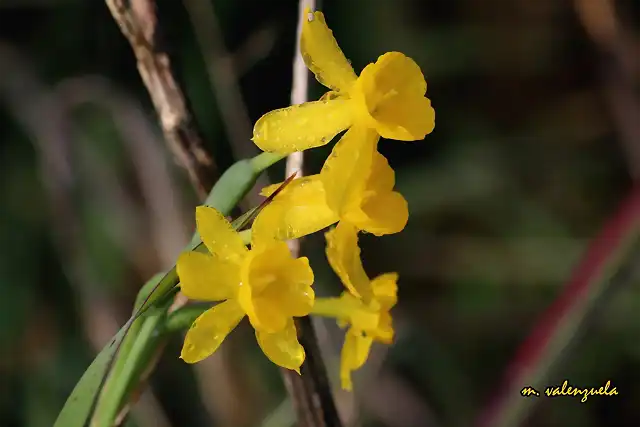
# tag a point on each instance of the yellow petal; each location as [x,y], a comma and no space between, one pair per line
[256,275]
[270,189]
[209,330]
[392,92]
[267,265]
[267,314]
[384,332]
[385,290]
[405,118]
[298,296]
[219,236]
[275,287]
[282,347]
[383,213]
[382,177]
[300,209]
[344,174]
[203,277]
[322,54]
[393,72]
[303,126]
[354,353]
[343,254]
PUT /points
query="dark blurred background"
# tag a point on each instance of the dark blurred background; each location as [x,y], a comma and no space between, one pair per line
[537,140]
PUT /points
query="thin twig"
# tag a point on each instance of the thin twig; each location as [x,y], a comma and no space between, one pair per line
[311,391]
[138,21]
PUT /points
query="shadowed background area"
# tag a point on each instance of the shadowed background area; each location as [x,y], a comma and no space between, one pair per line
[537,141]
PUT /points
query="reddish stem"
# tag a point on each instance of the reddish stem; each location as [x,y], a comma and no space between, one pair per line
[608,247]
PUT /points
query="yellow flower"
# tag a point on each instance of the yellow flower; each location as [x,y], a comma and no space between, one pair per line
[366,305]
[388,98]
[362,194]
[264,283]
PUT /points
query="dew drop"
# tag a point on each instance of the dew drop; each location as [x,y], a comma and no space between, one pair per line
[290,232]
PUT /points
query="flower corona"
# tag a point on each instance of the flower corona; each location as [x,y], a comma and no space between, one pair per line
[263,283]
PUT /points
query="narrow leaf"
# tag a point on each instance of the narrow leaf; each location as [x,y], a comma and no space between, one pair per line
[80,402]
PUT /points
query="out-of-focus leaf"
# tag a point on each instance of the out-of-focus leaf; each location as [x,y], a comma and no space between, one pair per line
[608,264]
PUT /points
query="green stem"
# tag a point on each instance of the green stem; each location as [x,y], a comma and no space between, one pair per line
[347,308]
[332,307]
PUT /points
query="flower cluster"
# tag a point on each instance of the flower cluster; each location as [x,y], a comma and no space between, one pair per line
[355,189]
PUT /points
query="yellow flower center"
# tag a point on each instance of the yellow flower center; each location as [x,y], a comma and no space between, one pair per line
[275,287]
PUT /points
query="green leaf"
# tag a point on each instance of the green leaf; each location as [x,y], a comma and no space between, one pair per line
[80,403]
[82,400]
[146,290]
